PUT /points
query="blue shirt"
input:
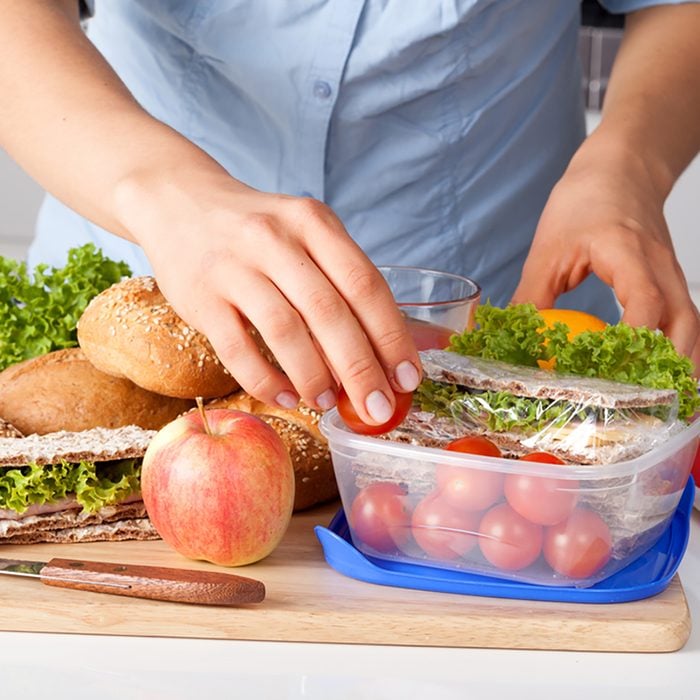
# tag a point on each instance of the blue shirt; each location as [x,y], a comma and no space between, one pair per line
[434,128]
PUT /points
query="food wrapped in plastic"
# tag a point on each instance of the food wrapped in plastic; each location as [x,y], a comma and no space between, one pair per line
[401,507]
[523,409]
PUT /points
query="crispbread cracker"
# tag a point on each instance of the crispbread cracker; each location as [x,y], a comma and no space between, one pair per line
[95,445]
[117,522]
[135,529]
[491,375]
[7,430]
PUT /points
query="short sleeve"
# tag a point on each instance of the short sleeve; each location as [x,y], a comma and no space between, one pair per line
[625,6]
[87,8]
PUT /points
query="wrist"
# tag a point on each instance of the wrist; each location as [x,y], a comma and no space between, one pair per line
[155,201]
[624,155]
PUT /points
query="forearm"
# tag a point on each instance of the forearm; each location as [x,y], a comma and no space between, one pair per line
[71,123]
[652,106]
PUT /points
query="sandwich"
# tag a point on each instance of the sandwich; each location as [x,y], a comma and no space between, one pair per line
[613,394]
[582,420]
[74,487]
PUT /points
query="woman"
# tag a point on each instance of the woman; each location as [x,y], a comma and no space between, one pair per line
[262,157]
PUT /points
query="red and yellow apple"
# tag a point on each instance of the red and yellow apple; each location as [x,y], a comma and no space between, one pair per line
[218,485]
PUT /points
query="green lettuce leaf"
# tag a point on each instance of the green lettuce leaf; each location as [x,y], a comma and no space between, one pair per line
[632,356]
[510,335]
[517,334]
[497,411]
[93,485]
[39,312]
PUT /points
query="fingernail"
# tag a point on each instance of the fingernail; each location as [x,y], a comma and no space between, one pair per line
[326,400]
[287,399]
[378,407]
[407,376]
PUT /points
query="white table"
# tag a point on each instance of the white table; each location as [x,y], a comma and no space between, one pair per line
[103,667]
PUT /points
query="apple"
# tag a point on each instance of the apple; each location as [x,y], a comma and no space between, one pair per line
[218,485]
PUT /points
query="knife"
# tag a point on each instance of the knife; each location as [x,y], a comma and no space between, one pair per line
[153,582]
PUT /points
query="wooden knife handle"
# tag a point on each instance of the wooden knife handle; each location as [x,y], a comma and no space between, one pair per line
[154,582]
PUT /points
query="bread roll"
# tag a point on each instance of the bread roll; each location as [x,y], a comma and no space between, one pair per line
[63,391]
[130,330]
[313,470]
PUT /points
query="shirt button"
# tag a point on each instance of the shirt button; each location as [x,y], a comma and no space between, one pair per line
[322,90]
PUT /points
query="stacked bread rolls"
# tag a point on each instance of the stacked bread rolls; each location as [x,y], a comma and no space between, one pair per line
[140,364]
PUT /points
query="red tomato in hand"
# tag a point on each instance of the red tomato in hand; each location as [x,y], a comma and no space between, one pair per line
[541,499]
[580,546]
[380,517]
[428,335]
[507,540]
[353,421]
[441,531]
[467,488]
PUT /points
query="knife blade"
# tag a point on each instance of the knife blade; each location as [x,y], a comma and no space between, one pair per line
[138,581]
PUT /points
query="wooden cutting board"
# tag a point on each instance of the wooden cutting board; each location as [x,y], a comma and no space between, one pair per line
[307,601]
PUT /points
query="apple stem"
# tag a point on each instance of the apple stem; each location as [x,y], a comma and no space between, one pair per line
[203,413]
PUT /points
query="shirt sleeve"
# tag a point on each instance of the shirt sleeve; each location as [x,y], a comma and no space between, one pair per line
[625,6]
[87,8]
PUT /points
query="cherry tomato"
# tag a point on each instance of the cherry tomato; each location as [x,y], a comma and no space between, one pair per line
[441,531]
[579,546]
[428,335]
[352,420]
[380,517]
[541,499]
[507,540]
[467,488]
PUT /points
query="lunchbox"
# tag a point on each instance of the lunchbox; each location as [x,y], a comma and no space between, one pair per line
[545,524]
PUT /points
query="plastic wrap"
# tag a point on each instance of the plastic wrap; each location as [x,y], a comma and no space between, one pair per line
[523,409]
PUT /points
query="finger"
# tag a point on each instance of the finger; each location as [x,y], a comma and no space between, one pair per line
[287,336]
[340,336]
[542,281]
[680,319]
[639,287]
[370,301]
[239,353]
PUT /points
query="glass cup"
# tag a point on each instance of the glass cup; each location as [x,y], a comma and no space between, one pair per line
[436,304]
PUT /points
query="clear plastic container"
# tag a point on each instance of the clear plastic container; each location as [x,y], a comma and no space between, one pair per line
[548,524]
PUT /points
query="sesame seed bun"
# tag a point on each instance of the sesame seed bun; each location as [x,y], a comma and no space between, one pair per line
[298,427]
[130,330]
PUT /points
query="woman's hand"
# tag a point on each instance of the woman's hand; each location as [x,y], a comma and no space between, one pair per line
[227,257]
[606,216]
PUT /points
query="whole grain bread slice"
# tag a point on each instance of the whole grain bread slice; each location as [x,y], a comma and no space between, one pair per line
[95,445]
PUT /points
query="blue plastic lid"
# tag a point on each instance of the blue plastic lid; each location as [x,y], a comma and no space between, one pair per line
[646,576]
